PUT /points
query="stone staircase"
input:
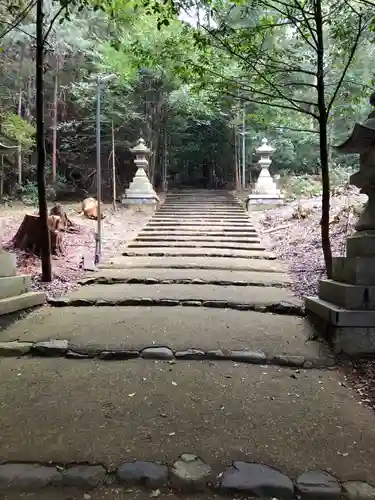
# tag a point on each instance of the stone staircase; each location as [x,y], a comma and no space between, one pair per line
[15,291]
[184,363]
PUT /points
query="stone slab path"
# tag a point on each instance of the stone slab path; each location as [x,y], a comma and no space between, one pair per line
[190,344]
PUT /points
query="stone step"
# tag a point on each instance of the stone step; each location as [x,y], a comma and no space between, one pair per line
[178,262]
[195,244]
[202,229]
[202,224]
[199,213]
[193,238]
[14,285]
[201,206]
[200,252]
[202,219]
[210,235]
[196,276]
[247,298]
[178,328]
[214,211]
[24,301]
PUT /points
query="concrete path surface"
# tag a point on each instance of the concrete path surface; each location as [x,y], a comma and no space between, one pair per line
[161,370]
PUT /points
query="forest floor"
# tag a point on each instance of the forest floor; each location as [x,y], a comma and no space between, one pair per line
[117,228]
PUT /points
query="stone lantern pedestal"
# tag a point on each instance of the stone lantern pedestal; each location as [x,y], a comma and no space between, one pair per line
[265,191]
[140,191]
[345,305]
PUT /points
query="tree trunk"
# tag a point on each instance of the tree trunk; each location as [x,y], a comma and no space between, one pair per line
[54,121]
[113,169]
[45,244]
[29,236]
[323,142]
[1,176]
[19,148]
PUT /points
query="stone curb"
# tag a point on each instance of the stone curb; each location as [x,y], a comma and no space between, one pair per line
[286,308]
[187,474]
[103,280]
[62,348]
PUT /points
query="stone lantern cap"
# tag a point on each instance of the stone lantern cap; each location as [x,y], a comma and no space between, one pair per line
[265,148]
[362,138]
[140,148]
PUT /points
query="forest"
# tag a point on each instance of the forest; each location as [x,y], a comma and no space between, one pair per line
[202,82]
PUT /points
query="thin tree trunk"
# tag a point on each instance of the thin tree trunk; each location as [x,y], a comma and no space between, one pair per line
[19,147]
[323,142]
[54,122]
[1,176]
[113,168]
[45,243]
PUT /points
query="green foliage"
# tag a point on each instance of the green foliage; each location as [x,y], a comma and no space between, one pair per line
[15,127]
[309,185]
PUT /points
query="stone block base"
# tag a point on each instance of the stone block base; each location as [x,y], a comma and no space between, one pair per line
[339,316]
[14,285]
[348,296]
[19,302]
[7,264]
[354,270]
[349,340]
[139,202]
[264,199]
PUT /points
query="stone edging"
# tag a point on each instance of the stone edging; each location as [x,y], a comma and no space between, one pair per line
[62,348]
[188,474]
[277,308]
[103,280]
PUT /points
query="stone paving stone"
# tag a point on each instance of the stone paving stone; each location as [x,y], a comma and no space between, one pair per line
[358,490]
[83,476]
[157,353]
[190,473]
[27,477]
[257,479]
[318,485]
[51,347]
[148,474]
[255,357]
[15,348]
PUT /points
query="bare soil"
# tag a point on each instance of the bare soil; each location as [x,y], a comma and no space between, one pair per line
[117,228]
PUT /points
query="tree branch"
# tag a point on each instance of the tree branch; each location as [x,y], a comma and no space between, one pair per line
[348,63]
[60,10]
[19,18]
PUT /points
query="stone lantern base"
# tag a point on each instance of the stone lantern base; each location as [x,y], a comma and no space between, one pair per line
[265,199]
[140,191]
[345,305]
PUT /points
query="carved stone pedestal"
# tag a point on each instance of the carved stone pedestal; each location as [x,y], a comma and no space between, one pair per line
[345,305]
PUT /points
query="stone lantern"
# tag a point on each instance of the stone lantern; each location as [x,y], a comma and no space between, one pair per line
[265,190]
[346,303]
[140,191]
